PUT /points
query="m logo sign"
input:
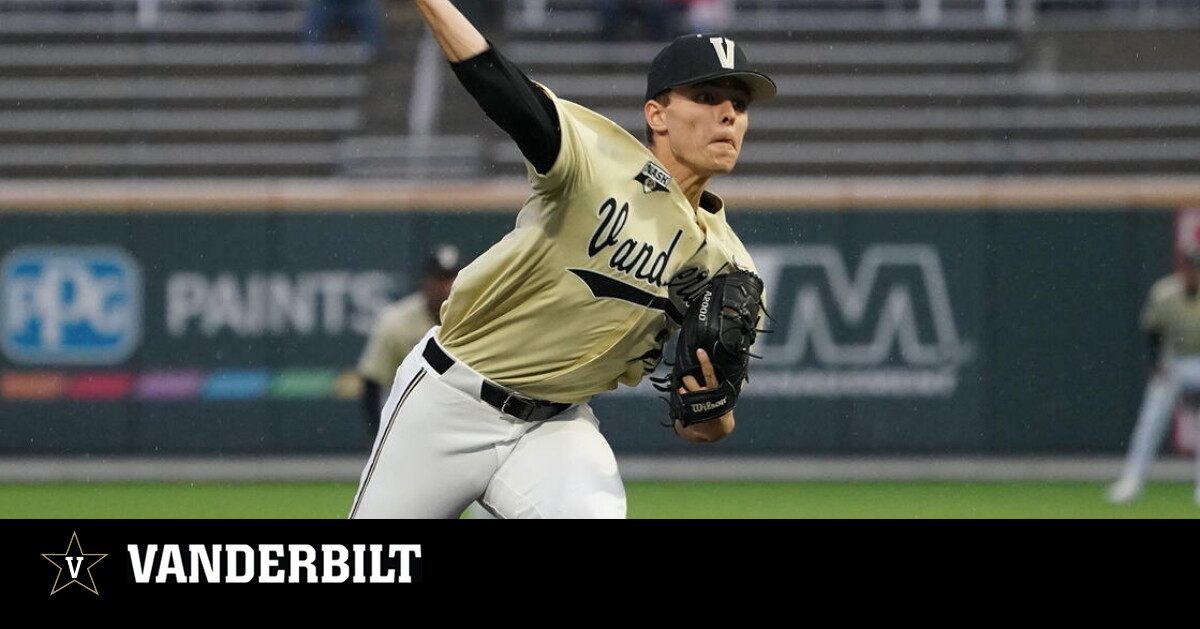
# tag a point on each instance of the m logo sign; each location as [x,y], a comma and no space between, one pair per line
[724,48]
[882,328]
[70,305]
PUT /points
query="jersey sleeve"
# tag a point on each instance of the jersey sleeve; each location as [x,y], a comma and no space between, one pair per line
[573,169]
[373,364]
[516,104]
[553,141]
[398,329]
[1153,317]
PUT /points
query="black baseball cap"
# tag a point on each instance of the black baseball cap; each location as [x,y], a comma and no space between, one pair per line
[698,58]
[443,261]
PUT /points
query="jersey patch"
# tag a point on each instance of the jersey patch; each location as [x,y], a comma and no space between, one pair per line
[653,178]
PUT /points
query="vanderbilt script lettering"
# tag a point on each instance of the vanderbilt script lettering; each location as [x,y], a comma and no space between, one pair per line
[640,260]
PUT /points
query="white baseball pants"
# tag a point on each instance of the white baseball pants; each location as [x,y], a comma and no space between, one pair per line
[1158,403]
[440,447]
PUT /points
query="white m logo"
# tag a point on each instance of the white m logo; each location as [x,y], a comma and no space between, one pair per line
[858,300]
[885,329]
[724,48]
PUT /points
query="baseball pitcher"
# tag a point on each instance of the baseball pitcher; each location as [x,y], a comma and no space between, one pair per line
[619,245]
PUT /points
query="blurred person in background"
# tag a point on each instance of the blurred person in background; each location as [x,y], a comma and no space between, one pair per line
[706,16]
[1171,320]
[398,328]
[324,20]
[654,20]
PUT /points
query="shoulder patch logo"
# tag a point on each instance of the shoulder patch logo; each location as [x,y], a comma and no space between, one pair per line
[653,178]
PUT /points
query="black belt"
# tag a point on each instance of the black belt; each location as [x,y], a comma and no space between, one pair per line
[523,408]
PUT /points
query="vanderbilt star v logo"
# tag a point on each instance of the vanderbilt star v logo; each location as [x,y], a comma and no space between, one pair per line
[76,564]
[653,178]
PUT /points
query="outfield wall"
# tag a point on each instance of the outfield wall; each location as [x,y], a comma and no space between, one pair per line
[910,318]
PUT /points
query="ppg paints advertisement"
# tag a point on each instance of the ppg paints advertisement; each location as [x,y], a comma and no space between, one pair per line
[903,332]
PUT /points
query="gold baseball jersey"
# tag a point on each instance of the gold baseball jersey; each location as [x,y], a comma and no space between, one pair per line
[1170,311]
[397,329]
[605,255]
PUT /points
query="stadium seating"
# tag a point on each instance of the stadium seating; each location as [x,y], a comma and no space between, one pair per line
[208,89]
[868,88]
[876,88]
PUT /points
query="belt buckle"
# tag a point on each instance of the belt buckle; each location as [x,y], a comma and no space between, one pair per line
[523,416]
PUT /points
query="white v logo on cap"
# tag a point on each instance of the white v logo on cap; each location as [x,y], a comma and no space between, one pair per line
[724,48]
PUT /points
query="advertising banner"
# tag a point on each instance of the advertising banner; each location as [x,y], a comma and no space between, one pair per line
[891,331]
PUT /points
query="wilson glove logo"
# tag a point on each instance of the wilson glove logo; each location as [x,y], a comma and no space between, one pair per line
[75,305]
[709,406]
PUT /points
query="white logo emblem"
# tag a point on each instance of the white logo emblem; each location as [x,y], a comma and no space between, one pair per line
[708,406]
[885,329]
[724,48]
[73,566]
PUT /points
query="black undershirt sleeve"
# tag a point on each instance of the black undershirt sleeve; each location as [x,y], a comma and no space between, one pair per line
[1154,345]
[514,103]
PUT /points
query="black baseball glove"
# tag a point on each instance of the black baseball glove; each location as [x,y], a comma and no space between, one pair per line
[723,321]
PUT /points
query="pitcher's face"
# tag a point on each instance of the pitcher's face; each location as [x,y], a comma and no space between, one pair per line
[706,124]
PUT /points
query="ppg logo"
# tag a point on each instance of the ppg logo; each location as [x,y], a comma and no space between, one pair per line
[76,305]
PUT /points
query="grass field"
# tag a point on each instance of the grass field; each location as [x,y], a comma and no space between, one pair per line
[646,500]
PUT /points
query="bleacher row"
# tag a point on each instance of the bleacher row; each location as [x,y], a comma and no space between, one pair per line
[867,87]
[221,88]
